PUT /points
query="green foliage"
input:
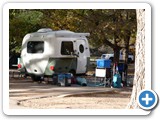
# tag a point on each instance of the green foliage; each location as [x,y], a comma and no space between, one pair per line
[112,27]
[20,23]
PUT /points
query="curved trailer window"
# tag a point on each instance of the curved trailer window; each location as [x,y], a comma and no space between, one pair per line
[81,48]
[67,48]
[35,47]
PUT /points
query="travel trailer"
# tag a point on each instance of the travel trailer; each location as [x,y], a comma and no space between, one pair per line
[46,52]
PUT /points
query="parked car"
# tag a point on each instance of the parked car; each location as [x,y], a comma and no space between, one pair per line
[13,60]
[121,56]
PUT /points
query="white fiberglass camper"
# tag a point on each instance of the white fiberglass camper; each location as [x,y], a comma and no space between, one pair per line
[46,52]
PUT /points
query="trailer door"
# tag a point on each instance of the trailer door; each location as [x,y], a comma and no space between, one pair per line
[82,57]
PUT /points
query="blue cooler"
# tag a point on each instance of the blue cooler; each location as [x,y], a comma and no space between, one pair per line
[64,79]
[103,63]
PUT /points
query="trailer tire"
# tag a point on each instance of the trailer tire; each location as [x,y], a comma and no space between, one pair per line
[35,78]
[73,72]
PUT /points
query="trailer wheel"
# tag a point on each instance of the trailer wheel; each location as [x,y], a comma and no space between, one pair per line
[73,72]
[35,78]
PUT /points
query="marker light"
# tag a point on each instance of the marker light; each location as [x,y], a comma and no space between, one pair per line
[19,65]
[51,67]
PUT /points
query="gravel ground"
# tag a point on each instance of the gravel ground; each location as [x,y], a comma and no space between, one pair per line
[27,92]
[109,100]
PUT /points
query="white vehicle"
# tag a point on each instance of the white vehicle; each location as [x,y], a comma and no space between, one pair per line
[46,52]
[121,56]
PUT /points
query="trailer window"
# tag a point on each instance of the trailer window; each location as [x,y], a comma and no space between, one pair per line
[67,48]
[81,48]
[35,47]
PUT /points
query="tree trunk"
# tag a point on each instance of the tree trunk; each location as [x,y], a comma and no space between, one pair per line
[127,39]
[139,75]
[116,55]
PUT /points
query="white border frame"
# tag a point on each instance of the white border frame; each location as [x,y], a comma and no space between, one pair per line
[8,6]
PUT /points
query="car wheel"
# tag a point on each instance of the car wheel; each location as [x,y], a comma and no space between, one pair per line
[129,60]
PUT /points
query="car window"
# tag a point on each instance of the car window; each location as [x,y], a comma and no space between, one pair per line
[130,53]
[103,56]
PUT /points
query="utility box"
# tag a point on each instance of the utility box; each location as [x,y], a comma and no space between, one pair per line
[103,63]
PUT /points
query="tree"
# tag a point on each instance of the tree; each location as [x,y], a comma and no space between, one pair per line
[109,27]
[139,75]
[21,22]
[112,27]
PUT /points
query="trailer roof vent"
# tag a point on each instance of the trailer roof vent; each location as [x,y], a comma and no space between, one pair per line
[45,30]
